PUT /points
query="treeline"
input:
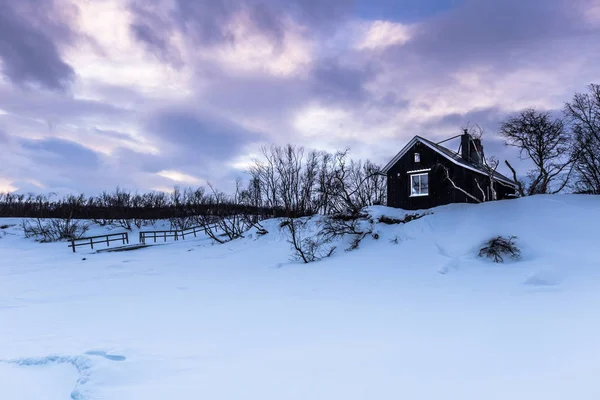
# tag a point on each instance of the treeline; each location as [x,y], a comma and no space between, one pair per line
[287,181]
[110,207]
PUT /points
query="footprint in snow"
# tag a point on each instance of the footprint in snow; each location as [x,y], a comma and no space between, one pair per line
[111,357]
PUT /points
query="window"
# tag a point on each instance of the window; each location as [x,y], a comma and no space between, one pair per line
[417,157]
[419,185]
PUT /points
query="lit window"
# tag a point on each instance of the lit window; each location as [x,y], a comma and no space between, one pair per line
[417,157]
[419,185]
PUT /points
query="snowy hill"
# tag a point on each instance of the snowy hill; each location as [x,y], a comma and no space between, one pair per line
[423,318]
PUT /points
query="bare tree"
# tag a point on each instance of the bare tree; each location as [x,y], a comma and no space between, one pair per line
[543,140]
[520,185]
[583,114]
[491,165]
[263,172]
[304,183]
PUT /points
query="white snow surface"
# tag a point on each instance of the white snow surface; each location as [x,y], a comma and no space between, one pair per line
[423,318]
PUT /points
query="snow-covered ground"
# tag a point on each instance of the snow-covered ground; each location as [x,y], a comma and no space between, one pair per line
[420,319]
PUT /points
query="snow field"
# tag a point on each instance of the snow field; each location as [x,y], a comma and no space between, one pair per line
[421,319]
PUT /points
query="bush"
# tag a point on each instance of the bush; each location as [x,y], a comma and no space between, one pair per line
[500,246]
[54,229]
[407,218]
[308,249]
[338,226]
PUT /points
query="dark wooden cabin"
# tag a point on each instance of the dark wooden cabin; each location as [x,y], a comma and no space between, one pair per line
[416,178]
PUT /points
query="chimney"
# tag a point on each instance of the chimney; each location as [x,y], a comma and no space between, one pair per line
[471,148]
[465,146]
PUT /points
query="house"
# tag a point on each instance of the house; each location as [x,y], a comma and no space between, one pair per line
[425,174]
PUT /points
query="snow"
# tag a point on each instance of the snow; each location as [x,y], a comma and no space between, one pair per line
[46,381]
[420,319]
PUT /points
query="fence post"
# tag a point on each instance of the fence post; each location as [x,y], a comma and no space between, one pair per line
[183,234]
[73,244]
[107,241]
[127,237]
[92,243]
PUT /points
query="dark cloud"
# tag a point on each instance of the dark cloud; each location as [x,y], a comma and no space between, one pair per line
[208,22]
[502,34]
[151,28]
[61,153]
[51,105]
[488,119]
[336,82]
[30,34]
[189,138]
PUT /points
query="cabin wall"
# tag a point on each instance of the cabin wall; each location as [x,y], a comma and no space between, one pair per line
[441,191]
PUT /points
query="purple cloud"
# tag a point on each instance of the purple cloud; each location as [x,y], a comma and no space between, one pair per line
[192,138]
[30,32]
[210,22]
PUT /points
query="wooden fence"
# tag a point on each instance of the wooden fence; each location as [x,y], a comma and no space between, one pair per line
[145,236]
[175,234]
[122,237]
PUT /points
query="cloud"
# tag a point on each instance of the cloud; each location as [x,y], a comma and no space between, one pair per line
[216,22]
[340,83]
[487,32]
[61,154]
[179,177]
[194,145]
[54,106]
[188,130]
[3,136]
[30,37]
[381,34]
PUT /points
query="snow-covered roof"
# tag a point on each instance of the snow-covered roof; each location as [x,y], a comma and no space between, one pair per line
[452,156]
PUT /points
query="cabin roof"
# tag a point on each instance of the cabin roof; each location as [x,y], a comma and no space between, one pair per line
[452,156]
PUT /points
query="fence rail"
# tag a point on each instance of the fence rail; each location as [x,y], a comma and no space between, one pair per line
[91,240]
[176,234]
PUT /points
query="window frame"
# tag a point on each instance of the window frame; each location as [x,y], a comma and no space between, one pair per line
[411,185]
[417,157]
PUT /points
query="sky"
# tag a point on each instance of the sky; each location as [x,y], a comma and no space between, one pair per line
[148,94]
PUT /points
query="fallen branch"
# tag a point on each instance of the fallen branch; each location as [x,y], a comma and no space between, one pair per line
[469,195]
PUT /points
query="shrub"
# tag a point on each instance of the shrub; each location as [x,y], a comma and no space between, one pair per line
[338,226]
[500,246]
[308,249]
[54,229]
[407,218]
